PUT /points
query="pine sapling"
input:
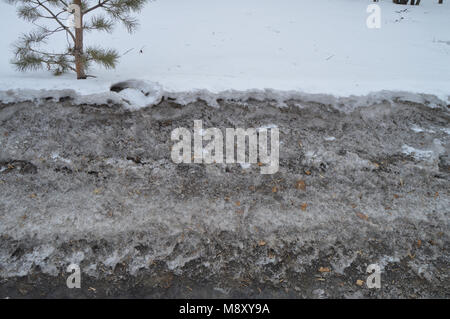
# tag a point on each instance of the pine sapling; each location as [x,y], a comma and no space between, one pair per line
[52,17]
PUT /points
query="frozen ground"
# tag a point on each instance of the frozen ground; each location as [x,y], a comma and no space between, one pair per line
[95,185]
[311,46]
[86,175]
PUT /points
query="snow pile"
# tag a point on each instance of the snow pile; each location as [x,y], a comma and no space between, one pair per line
[138,94]
[300,49]
[133,97]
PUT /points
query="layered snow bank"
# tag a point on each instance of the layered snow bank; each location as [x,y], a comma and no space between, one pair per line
[138,94]
[210,48]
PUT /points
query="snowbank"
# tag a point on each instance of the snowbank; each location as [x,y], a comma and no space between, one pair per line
[133,97]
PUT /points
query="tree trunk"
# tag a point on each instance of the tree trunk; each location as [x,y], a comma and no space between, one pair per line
[79,63]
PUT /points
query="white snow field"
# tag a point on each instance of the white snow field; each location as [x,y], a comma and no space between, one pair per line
[214,49]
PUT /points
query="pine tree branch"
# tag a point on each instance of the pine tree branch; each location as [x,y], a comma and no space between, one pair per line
[34,60]
[56,19]
[100,4]
[47,31]
[99,23]
[46,17]
[49,54]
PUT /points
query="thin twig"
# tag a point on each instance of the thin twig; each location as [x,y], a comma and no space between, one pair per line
[100,4]
[56,18]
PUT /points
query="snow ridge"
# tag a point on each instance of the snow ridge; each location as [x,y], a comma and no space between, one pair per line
[136,94]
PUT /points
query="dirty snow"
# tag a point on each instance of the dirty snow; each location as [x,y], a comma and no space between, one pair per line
[430,155]
[112,215]
[418,129]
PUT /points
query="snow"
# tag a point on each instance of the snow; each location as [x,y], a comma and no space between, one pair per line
[267,127]
[135,98]
[418,154]
[418,129]
[245,165]
[55,156]
[430,155]
[210,49]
